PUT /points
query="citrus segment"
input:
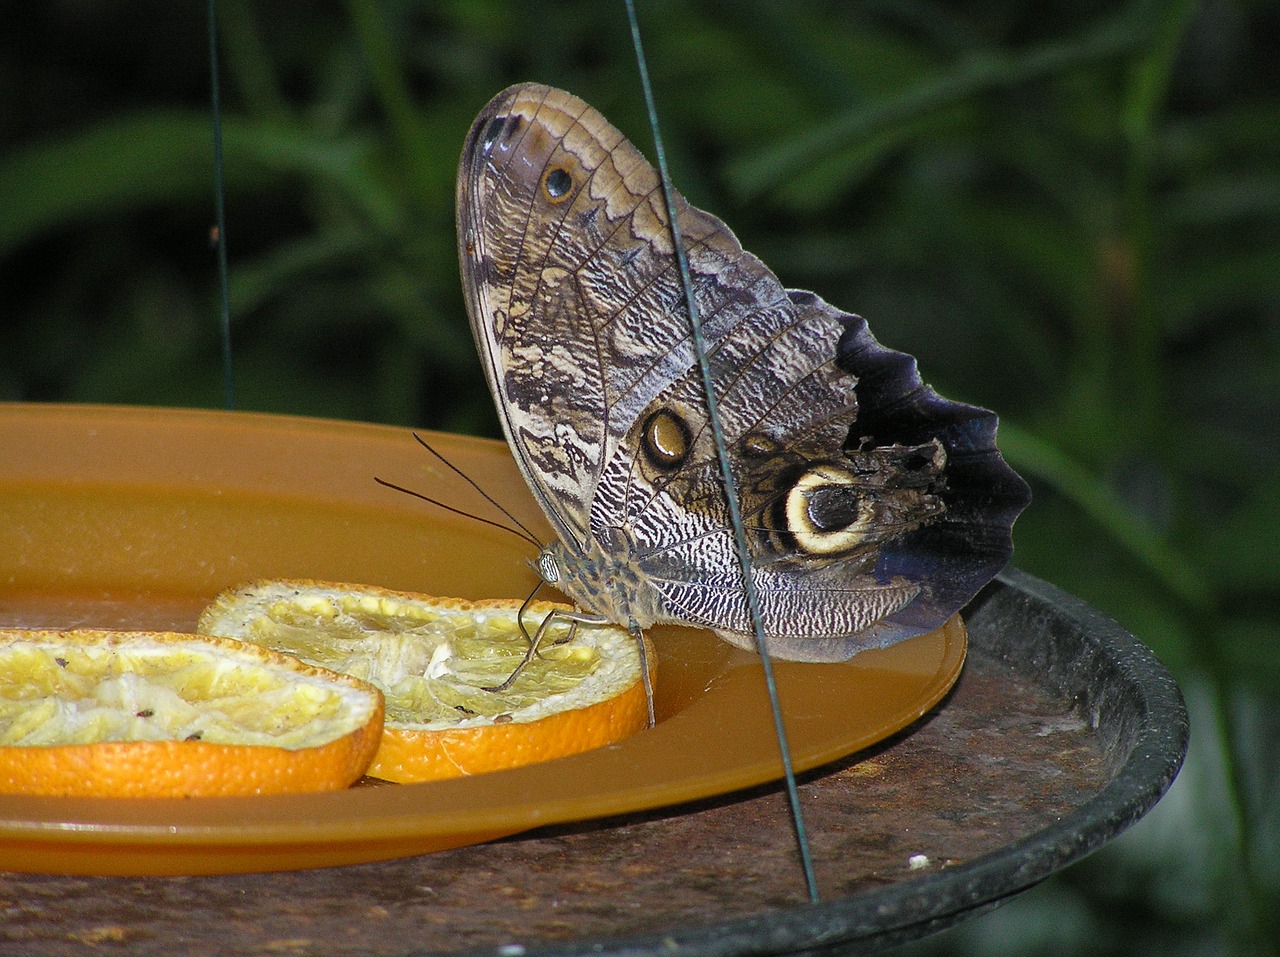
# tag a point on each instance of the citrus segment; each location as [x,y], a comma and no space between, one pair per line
[436,658]
[151,714]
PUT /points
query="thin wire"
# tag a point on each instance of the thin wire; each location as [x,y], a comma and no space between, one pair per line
[220,229]
[726,473]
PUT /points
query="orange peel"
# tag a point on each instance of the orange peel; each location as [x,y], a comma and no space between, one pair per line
[435,658]
[93,713]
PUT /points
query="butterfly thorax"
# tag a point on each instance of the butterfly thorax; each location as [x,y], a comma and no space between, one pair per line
[605,582]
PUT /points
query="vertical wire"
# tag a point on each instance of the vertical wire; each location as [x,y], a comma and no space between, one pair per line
[726,472]
[220,215]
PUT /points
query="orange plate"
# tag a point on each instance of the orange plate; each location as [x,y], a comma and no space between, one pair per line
[127,517]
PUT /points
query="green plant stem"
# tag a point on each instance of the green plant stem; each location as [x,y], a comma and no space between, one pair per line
[248,62]
[220,213]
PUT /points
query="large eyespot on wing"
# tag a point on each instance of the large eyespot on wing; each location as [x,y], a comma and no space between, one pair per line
[577,311]
[945,523]
[572,290]
[956,554]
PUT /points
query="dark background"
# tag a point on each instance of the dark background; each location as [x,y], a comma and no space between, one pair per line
[1069,211]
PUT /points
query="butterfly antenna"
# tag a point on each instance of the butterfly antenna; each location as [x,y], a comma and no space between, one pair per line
[726,473]
[521,532]
[481,492]
[524,606]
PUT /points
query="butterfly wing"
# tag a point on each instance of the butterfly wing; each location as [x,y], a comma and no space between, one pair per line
[578,313]
[542,361]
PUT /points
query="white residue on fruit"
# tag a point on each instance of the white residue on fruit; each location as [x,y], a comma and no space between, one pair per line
[438,666]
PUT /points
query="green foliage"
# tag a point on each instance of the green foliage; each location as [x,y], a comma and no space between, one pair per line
[1070,212]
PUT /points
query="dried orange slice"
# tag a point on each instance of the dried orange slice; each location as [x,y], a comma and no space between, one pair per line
[433,658]
[153,714]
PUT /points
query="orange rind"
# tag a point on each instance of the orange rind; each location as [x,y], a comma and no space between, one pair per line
[158,714]
[435,659]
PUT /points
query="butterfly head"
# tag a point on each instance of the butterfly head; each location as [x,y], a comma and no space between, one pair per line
[547,566]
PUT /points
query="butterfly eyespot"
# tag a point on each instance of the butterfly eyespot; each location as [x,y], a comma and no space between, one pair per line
[824,512]
[665,439]
[838,450]
[557,183]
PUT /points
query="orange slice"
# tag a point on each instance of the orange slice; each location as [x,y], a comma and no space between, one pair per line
[433,658]
[150,714]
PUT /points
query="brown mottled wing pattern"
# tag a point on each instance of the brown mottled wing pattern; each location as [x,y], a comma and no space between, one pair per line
[576,301]
[577,310]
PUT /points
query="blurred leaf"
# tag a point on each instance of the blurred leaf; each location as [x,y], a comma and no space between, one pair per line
[1055,542]
[1239,133]
[1254,725]
[1249,645]
[1036,456]
[1227,201]
[1220,277]
[46,185]
[248,61]
[254,283]
[384,61]
[157,159]
[978,73]
[1244,550]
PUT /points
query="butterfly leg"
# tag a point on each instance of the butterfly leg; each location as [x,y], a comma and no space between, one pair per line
[574,618]
[534,642]
[638,635]
[524,606]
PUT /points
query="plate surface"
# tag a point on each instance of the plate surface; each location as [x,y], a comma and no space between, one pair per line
[126,517]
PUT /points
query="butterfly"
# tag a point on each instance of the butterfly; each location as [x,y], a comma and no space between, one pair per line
[873,508]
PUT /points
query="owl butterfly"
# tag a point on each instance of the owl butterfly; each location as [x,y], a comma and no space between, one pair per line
[874,509]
